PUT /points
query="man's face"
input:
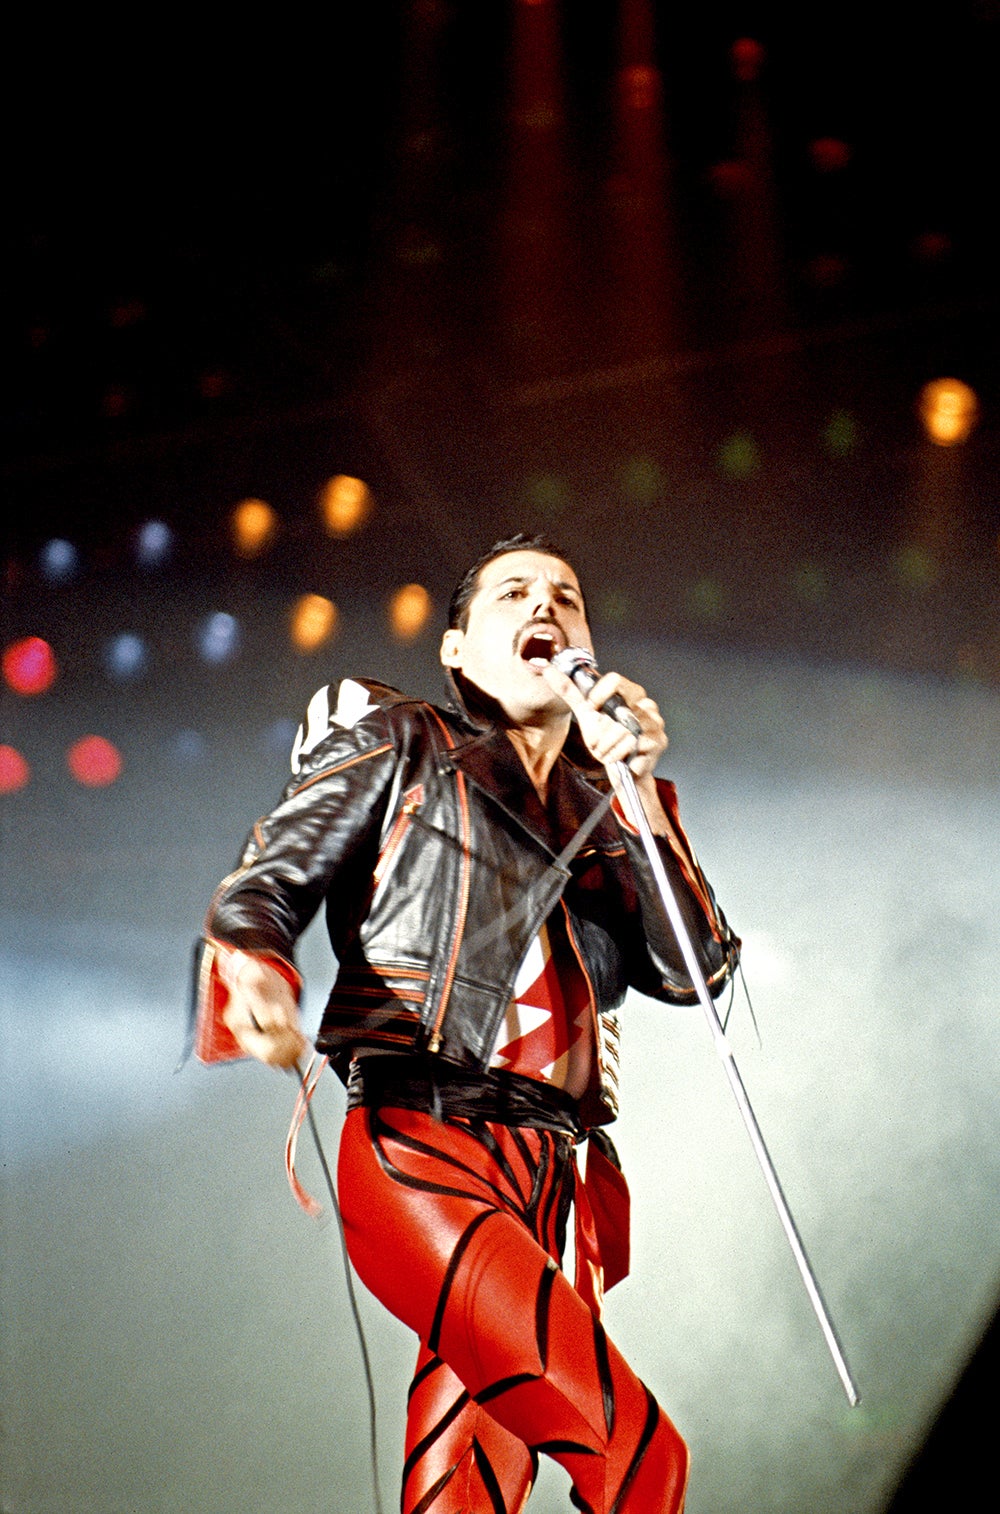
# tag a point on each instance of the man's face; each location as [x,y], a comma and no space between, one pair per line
[526,608]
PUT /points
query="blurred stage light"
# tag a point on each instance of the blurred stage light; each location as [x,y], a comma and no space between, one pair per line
[125,656]
[932,247]
[279,737]
[840,434]
[254,527]
[59,560]
[153,542]
[639,87]
[218,638]
[615,608]
[643,481]
[314,620]
[747,57]
[189,746]
[739,455]
[949,410]
[14,770]
[826,270]
[548,495]
[29,666]
[829,154]
[345,504]
[213,384]
[94,762]
[410,609]
[915,567]
[115,402]
[730,178]
[417,248]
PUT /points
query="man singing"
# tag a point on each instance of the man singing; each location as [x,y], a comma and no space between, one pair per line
[489,904]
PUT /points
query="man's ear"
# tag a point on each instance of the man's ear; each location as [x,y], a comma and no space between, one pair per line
[451,647]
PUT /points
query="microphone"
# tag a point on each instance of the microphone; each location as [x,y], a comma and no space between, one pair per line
[581,666]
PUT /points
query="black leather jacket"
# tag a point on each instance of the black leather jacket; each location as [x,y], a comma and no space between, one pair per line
[423,836]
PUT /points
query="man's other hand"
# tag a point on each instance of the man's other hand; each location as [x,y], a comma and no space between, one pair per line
[262,1012]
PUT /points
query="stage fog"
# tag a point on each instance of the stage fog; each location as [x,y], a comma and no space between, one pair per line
[176,1333]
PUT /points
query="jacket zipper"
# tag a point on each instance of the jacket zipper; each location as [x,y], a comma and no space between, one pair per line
[434,1043]
[412,800]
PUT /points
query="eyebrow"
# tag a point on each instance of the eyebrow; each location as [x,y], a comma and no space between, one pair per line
[526,578]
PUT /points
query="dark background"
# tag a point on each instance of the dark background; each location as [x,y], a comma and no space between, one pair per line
[429,245]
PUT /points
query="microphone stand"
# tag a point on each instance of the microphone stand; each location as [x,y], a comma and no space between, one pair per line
[636,813]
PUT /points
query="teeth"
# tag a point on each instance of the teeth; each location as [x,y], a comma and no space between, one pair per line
[536,640]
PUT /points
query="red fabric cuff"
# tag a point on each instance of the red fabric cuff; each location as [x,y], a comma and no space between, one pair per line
[213,1040]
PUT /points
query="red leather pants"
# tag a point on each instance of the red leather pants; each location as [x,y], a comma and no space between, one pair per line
[457,1228]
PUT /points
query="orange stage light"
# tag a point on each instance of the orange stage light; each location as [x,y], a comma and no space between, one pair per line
[410,609]
[345,504]
[254,526]
[314,620]
[949,410]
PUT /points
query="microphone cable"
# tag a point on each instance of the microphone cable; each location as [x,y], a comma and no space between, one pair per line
[349,1279]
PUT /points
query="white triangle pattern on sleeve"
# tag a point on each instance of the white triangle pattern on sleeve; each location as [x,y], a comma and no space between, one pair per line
[313,728]
[353,704]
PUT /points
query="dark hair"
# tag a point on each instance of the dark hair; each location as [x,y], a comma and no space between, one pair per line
[458,608]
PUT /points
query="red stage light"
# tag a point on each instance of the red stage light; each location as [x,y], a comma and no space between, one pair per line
[213,384]
[826,270]
[640,86]
[932,246]
[747,57]
[115,403]
[14,770]
[829,154]
[94,762]
[731,178]
[29,666]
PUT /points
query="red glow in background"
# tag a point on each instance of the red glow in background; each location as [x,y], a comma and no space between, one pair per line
[29,666]
[94,762]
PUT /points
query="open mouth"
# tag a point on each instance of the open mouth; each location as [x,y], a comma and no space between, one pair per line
[539,647]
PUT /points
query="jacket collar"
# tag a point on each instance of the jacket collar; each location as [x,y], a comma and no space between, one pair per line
[489,760]
[480,713]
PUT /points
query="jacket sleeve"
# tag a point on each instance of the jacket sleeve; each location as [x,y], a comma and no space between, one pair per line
[716,947]
[323,834]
